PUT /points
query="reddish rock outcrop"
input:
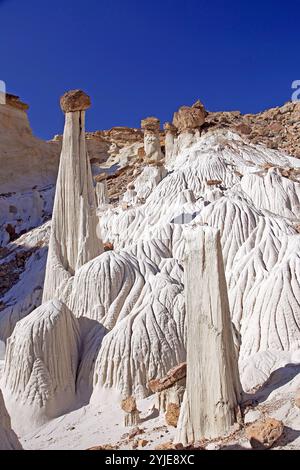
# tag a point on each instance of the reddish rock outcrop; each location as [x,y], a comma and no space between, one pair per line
[189,117]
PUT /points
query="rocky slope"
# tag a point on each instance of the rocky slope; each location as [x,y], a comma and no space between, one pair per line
[276,128]
[25,160]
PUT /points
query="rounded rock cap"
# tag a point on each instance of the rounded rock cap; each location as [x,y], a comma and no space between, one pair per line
[75,100]
[150,124]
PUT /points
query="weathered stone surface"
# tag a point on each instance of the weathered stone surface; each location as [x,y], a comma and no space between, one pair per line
[75,100]
[129,404]
[262,434]
[172,414]
[174,375]
[189,117]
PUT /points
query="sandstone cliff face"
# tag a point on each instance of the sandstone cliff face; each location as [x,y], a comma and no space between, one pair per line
[25,160]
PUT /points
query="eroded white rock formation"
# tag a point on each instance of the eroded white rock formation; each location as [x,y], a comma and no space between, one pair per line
[73,239]
[258,248]
[102,194]
[213,390]
[25,160]
[129,302]
[40,366]
[8,438]
[170,136]
[187,122]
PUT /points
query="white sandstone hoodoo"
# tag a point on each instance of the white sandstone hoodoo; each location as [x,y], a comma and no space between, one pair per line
[152,147]
[213,390]
[73,239]
[171,132]
[102,194]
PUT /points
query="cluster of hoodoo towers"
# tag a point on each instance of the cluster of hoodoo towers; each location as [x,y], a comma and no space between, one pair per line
[210,404]
[213,390]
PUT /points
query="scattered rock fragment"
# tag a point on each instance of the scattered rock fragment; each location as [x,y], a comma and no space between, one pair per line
[135,432]
[175,374]
[142,442]
[172,414]
[262,434]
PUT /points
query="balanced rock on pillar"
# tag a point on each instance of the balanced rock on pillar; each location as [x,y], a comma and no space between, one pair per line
[213,390]
[74,100]
[132,415]
[73,240]
[152,147]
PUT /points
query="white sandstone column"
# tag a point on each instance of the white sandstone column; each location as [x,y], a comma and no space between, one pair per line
[102,193]
[171,132]
[213,390]
[73,239]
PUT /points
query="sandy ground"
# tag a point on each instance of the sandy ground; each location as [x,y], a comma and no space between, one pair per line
[95,424]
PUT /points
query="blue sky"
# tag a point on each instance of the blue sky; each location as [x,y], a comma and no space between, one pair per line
[140,58]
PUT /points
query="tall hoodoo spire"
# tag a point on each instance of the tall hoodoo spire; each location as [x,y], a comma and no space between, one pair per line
[73,239]
[170,136]
[213,390]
